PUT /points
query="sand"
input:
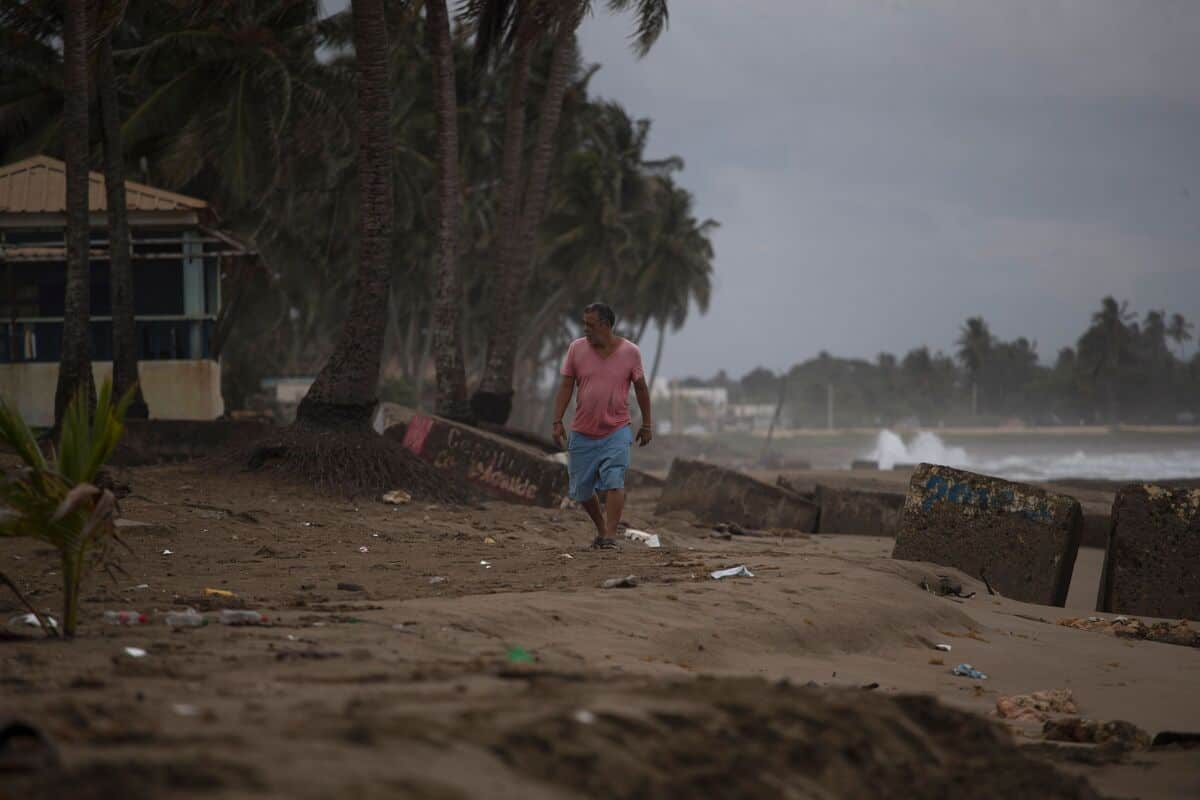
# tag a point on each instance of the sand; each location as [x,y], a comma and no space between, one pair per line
[683,686]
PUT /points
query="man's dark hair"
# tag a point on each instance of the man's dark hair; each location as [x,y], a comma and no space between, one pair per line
[604,312]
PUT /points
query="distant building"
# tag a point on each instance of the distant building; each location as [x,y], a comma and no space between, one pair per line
[178,259]
[751,416]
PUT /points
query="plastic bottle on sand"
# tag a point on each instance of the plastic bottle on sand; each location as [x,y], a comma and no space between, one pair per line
[236,616]
[125,618]
[186,619]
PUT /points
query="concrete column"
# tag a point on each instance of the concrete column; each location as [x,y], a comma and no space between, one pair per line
[193,290]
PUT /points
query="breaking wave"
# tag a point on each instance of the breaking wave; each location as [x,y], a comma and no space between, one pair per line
[890,449]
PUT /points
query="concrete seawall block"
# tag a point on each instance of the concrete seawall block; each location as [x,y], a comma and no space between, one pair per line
[1022,539]
[1152,566]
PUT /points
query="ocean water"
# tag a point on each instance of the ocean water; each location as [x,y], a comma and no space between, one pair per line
[1102,460]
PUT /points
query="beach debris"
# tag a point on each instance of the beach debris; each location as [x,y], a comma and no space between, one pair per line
[488,540]
[185,709]
[191,618]
[134,652]
[945,648]
[1182,739]
[967,671]
[25,748]
[125,618]
[209,592]
[485,564]
[436,579]
[348,586]
[1177,632]
[728,530]
[238,616]
[363,549]
[397,497]
[628,582]
[739,571]
[519,655]
[31,621]
[584,717]
[568,555]
[1037,706]
[1122,734]
[168,552]
[945,586]
[648,539]
[141,586]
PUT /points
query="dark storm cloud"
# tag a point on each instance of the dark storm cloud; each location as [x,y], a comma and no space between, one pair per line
[883,169]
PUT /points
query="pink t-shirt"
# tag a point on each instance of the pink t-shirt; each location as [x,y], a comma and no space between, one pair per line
[602,401]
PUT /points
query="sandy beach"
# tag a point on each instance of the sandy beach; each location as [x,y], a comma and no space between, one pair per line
[427,650]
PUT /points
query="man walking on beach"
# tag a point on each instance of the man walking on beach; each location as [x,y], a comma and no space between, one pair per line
[602,365]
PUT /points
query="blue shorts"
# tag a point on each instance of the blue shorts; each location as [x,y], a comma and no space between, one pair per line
[597,464]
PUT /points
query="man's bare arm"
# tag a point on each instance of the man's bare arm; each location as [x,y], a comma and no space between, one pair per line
[562,398]
[642,392]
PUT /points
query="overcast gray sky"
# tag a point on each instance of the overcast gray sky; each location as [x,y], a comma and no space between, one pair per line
[882,169]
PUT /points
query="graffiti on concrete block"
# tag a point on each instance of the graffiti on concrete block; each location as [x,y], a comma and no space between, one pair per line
[982,499]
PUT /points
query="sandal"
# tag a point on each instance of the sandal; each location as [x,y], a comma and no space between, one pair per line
[601,543]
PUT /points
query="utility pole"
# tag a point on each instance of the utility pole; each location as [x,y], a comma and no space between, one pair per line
[775,419]
[829,406]
[675,429]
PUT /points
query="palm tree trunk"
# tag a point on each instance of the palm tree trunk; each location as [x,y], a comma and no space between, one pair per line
[124,330]
[658,348]
[543,151]
[492,401]
[345,392]
[75,364]
[641,330]
[447,344]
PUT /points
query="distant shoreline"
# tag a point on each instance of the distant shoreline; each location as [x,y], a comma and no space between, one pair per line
[1048,430]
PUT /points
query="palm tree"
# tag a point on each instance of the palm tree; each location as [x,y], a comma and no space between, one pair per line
[222,89]
[677,271]
[447,342]
[124,330]
[1107,346]
[975,344]
[31,81]
[344,392]
[1179,330]
[522,199]
[75,364]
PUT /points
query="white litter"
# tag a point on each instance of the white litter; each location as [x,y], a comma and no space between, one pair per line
[739,571]
[648,539]
[584,717]
[485,564]
[168,552]
[943,647]
[135,652]
[185,710]
[364,549]
[31,621]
